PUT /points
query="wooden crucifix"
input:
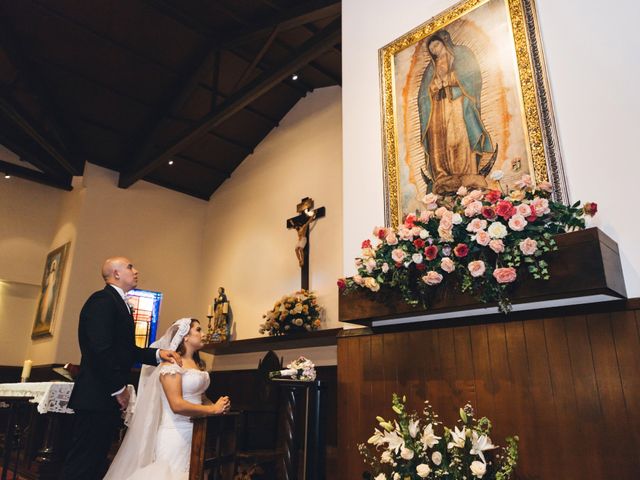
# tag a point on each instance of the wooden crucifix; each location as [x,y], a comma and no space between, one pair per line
[302,223]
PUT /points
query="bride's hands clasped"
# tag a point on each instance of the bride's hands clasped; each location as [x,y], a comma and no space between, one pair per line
[222,406]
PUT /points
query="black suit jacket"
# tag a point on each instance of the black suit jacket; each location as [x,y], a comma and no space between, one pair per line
[107,343]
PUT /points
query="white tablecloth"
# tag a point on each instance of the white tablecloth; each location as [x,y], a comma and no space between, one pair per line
[51,396]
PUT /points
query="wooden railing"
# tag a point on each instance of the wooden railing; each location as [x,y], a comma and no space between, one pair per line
[213,447]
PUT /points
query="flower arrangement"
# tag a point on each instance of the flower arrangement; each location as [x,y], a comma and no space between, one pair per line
[483,239]
[408,448]
[300,369]
[297,312]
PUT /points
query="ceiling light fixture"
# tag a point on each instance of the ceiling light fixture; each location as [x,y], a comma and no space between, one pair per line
[170,162]
[6,175]
[294,76]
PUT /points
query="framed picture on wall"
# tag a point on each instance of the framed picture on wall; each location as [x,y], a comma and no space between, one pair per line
[51,283]
[466,102]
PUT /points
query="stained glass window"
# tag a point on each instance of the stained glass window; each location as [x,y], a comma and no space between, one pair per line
[146,310]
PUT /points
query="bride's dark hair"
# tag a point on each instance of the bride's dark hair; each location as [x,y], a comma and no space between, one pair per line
[196,355]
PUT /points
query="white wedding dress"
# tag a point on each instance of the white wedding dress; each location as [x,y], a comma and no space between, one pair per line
[166,444]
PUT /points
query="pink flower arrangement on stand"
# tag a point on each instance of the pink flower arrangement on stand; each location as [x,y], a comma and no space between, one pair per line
[483,240]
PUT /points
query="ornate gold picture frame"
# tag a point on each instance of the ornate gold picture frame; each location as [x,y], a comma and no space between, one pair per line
[51,285]
[466,102]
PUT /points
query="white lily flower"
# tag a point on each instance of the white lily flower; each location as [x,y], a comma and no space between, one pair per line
[414,427]
[429,438]
[458,438]
[393,440]
[376,438]
[479,444]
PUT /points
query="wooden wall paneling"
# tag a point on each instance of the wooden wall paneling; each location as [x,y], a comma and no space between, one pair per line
[520,407]
[465,383]
[627,341]
[564,394]
[611,398]
[426,342]
[588,405]
[543,411]
[448,403]
[484,383]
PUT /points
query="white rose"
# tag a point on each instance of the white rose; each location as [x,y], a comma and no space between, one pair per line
[456,219]
[423,470]
[396,476]
[497,230]
[386,457]
[385,267]
[382,476]
[436,458]
[424,233]
[417,258]
[497,175]
[406,453]
[478,469]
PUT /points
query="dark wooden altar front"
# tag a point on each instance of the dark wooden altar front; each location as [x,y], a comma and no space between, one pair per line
[563,379]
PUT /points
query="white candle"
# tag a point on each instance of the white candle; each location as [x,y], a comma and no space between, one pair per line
[209,311]
[26,369]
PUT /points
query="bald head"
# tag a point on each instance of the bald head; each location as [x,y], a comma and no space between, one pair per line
[119,271]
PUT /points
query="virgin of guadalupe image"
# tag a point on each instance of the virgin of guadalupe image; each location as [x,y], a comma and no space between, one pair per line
[458,150]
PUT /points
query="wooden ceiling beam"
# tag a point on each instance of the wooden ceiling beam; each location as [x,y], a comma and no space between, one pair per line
[182,90]
[216,171]
[21,120]
[34,176]
[57,130]
[248,150]
[28,155]
[311,49]
[288,19]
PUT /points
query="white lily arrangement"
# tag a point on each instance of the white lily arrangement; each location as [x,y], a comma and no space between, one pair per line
[301,369]
[408,448]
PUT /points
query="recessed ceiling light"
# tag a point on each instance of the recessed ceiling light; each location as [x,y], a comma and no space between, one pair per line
[6,175]
[170,162]
[294,76]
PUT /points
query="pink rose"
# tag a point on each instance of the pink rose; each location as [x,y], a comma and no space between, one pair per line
[541,205]
[385,267]
[517,223]
[405,233]
[497,246]
[446,222]
[432,278]
[397,255]
[523,209]
[358,279]
[476,225]
[477,268]
[445,234]
[528,246]
[524,182]
[482,238]
[441,211]
[474,208]
[546,186]
[391,238]
[431,201]
[462,191]
[504,275]
[476,194]
[380,232]
[447,265]
[425,216]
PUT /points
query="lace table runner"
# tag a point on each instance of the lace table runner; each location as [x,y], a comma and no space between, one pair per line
[51,397]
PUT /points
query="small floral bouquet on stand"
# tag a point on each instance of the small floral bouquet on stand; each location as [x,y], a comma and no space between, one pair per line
[301,369]
[483,240]
[298,312]
[408,448]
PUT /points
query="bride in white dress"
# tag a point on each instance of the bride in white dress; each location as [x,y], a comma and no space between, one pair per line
[158,441]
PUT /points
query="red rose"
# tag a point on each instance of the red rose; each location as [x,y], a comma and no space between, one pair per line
[505,209]
[420,266]
[461,250]
[366,244]
[533,216]
[431,252]
[489,213]
[409,220]
[590,208]
[382,233]
[418,243]
[342,284]
[493,196]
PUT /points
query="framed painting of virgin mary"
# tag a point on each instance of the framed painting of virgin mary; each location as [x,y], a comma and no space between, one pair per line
[466,103]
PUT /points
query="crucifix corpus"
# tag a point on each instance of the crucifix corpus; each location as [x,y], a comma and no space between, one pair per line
[302,223]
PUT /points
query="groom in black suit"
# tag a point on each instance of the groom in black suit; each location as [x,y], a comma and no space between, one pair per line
[107,343]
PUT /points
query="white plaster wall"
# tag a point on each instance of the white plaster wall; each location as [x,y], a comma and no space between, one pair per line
[247,248]
[591,50]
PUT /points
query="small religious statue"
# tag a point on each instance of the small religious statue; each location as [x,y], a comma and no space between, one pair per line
[221,317]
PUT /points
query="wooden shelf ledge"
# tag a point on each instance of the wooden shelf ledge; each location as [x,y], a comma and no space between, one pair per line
[318,338]
[586,268]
